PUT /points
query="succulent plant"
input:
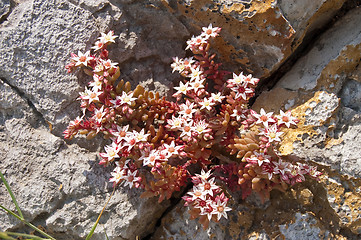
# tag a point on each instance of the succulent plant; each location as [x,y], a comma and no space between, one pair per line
[207,136]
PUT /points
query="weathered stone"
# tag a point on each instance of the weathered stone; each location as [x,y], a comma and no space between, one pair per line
[307,16]
[344,197]
[10,100]
[38,37]
[319,87]
[36,41]
[126,217]
[280,217]
[38,34]
[304,227]
[61,186]
[176,224]
[327,64]
[322,88]
[4,9]
[258,36]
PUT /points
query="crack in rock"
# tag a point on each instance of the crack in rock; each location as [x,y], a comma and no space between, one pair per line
[305,47]
[27,100]
[6,8]
[270,82]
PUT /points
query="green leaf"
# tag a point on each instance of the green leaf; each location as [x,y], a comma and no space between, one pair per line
[105,232]
[5,236]
[28,236]
[11,194]
[11,212]
[21,218]
[96,223]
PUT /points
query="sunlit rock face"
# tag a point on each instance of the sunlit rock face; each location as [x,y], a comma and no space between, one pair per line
[60,185]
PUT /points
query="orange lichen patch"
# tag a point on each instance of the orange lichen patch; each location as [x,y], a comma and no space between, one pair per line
[253,235]
[253,30]
[50,125]
[310,202]
[272,100]
[301,112]
[344,196]
[332,142]
[292,135]
[311,205]
[303,196]
[238,7]
[261,6]
[252,8]
[344,64]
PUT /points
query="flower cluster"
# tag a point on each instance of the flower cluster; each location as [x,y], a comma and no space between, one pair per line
[206,199]
[161,146]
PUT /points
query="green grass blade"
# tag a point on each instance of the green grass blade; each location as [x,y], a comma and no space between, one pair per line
[11,213]
[6,236]
[21,217]
[38,230]
[11,195]
[96,223]
[105,232]
[29,236]
[27,223]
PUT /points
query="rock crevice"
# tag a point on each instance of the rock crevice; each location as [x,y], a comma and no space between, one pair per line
[35,111]
[61,186]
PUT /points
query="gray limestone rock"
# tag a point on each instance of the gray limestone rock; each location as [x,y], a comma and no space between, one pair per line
[38,37]
[4,9]
[177,225]
[59,184]
[308,69]
[308,15]
[62,186]
[48,176]
[331,67]
[304,227]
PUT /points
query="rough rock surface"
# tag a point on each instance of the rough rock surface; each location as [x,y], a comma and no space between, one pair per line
[259,35]
[4,8]
[304,227]
[322,86]
[322,89]
[176,225]
[59,184]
